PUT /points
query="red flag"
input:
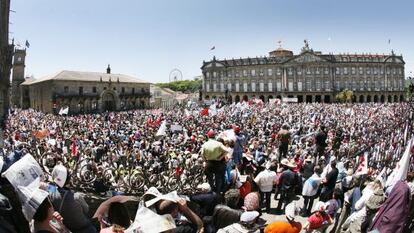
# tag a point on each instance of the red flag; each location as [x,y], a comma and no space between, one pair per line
[156,122]
[73,148]
[148,122]
[204,112]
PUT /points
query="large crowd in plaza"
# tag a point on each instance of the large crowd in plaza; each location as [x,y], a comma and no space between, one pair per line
[349,163]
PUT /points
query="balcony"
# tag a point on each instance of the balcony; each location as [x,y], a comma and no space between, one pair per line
[74,95]
[145,94]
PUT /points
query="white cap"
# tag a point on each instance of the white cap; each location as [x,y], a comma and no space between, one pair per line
[59,175]
[320,206]
[249,216]
[204,187]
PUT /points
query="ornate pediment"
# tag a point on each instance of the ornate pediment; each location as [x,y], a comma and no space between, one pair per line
[214,64]
[306,57]
[394,59]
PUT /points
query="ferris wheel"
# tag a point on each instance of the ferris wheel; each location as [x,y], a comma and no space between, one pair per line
[176,75]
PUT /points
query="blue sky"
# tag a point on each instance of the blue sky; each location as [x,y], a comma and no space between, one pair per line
[148,39]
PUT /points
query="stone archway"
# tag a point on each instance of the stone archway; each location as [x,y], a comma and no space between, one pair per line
[368,98]
[230,99]
[389,99]
[382,98]
[245,98]
[109,101]
[361,99]
[375,99]
[395,98]
[401,98]
[237,99]
[327,99]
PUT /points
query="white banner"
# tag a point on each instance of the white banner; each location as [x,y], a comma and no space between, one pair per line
[289,100]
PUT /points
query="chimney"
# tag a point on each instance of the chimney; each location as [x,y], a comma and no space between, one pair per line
[108,70]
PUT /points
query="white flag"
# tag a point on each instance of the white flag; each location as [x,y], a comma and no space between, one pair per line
[406,133]
[363,166]
[382,177]
[162,129]
[401,169]
[187,113]
[64,111]
[212,110]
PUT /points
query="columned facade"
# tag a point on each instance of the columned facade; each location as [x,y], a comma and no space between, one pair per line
[309,76]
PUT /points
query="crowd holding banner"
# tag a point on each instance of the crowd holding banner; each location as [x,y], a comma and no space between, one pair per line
[353,160]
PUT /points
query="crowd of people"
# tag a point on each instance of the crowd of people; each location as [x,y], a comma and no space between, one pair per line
[258,159]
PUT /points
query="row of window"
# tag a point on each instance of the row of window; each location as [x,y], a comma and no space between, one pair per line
[309,85]
[308,71]
[94,90]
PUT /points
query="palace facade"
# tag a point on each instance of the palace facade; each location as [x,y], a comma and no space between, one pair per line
[309,76]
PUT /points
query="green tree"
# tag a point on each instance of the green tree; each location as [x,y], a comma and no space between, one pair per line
[186,86]
[345,96]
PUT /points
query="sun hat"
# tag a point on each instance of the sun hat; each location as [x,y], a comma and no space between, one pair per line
[285,162]
[59,175]
[309,159]
[292,164]
[153,191]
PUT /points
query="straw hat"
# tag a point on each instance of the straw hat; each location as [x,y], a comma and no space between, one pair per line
[309,159]
[292,164]
[285,162]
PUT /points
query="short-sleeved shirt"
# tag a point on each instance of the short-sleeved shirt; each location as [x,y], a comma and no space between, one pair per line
[265,180]
[212,150]
[283,227]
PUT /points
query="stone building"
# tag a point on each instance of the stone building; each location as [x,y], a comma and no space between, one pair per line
[6,53]
[309,76]
[85,92]
[19,58]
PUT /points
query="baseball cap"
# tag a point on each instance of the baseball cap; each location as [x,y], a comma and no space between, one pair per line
[59,175]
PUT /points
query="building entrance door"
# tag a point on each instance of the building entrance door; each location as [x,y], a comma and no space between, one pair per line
[108,101]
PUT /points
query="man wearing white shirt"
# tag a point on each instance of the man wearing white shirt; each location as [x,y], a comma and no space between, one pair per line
[265,180]
[309,190]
